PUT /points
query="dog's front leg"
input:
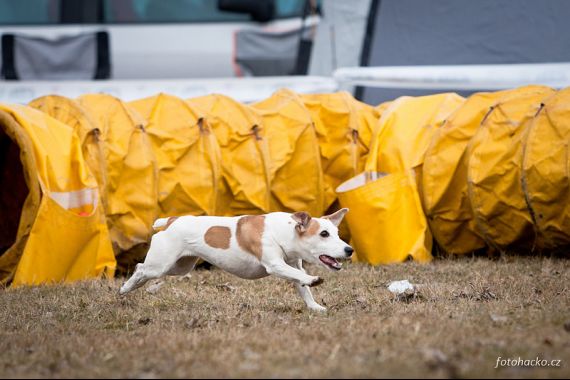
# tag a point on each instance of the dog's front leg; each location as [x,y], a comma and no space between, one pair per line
[305,292]
[276,266]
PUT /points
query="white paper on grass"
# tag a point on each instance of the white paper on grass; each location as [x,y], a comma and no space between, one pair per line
[399,287]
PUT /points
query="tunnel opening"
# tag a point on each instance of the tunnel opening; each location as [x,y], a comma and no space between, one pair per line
[13,192]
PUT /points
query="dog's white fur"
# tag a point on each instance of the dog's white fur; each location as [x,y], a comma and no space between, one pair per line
[250,248]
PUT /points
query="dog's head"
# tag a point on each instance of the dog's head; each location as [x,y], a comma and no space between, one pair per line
[317,239]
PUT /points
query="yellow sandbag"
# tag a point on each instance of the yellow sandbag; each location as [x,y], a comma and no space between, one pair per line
[386,195]
[187,154]
[69,237]
[546,177]
[386,219]
[70,112]
[444,174]
[344,128]
[64,246]
[495,191]
[118,151]
[245,154]
[296,174]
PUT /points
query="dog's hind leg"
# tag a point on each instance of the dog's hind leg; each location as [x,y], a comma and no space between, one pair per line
[141,276]
[138,279]
[183,266]
[160,260]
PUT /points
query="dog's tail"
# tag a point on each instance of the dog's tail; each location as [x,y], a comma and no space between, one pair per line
[160,223]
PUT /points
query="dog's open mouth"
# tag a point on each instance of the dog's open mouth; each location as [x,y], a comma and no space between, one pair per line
[330,262]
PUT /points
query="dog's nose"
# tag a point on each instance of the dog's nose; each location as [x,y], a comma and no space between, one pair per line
[348,250]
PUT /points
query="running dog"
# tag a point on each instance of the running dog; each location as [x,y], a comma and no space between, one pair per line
[250,247]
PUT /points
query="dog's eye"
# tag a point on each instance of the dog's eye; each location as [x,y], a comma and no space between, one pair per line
[325,234]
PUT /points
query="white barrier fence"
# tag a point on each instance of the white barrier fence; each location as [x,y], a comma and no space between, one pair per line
[457,77]
[445,78]
[242,89]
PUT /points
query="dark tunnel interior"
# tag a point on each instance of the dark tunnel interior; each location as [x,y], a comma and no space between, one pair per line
[13,190]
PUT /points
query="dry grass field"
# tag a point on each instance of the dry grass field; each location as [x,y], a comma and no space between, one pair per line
[466,314]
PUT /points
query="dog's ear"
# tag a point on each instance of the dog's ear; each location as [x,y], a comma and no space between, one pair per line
[336,217]
[303,219]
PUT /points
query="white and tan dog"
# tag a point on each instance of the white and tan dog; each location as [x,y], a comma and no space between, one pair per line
[250,247]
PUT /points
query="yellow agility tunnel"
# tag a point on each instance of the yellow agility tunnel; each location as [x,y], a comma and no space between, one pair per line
[480,169]
[89,175]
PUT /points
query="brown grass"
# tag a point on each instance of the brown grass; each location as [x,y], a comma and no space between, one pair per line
[466,314]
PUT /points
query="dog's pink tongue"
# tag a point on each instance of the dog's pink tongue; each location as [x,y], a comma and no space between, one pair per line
[330,261]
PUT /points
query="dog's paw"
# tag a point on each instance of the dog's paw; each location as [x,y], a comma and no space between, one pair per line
[123,290]
[316,281]
[318,308]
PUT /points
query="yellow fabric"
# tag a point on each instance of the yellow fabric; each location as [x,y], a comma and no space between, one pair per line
[130,167]
[187,154]
[244,148]
[391,205]
[546,177]
[296,174]
[24,148]
[405,130]
[444,175]
[117,150]
[385,218]
[70,112]
[64,246]
[495,193]
[70,225]
[344,129]
[489,170]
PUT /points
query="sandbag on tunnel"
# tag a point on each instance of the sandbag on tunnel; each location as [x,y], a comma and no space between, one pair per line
[386,194]
[117,150]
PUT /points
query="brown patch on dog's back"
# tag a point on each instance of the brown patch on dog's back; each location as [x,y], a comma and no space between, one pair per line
[249,232]
[170,220]
[218,237]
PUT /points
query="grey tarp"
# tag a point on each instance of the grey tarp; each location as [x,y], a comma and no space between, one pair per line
[455,32]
